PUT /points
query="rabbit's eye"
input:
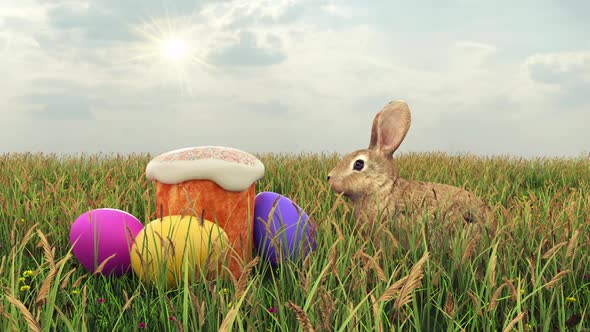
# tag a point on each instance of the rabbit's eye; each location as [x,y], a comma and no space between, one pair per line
[358,165]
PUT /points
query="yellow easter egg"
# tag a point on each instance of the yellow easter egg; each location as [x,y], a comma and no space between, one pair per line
[170,248]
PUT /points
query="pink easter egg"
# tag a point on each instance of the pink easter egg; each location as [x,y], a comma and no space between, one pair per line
[98,234]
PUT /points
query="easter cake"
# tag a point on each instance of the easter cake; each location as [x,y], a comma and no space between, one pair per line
[216,183]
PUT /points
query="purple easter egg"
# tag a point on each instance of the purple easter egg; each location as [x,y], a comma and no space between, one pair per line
[100,233]
[288,224]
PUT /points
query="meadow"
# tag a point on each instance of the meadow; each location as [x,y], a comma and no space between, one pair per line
[526,270]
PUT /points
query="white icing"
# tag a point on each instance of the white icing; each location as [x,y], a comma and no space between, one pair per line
[229,175]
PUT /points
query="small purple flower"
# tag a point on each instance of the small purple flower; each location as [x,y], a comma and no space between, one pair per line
[272,310]
[586,276]
[172,318]
[141,325]
[100,300]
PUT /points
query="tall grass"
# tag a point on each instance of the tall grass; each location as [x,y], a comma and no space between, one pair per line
[528,269]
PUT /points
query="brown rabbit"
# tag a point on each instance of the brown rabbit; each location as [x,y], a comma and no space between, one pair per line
[370,179]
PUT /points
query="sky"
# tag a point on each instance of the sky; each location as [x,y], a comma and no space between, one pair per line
[289,76]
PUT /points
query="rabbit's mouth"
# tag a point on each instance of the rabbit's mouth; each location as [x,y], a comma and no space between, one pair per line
[335,185]
[338,187]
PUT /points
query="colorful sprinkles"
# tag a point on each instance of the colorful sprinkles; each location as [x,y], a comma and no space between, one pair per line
[209,152]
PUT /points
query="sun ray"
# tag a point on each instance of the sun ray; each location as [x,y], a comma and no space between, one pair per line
[169,48]
[175,49]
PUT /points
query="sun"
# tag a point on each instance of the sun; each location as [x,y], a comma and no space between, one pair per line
[171,50]
[174,49]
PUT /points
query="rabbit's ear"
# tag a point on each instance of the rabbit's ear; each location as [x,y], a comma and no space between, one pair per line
[390,127]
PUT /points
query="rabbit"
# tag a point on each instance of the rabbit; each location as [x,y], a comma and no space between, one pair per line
[370,180]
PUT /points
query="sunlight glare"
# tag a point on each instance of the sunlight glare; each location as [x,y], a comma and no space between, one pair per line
[174,49]
[170,50]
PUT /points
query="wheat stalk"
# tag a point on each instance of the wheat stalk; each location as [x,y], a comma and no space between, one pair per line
[102,265]
[494,300]
[394,241]
[551,251]
[64,283]
[531,262]
[338,231]
[305,274]
[339,201]
[199,308]
[28,235]
[332,259]
[227,322]
[376,316]
[301,316]
[396,289]
[46,249]
[414,281]
[125,295]
[31,322]
[573,242]
[435,278]
[556,279]
[372,263]
[449,306]
[475,301]
[127,304]
[178,325]
[78,281]
[63,260]
[392,291]
[243,281]
[170,305]
[46,286]
[38,315]
[327,307]
[513,322]
[493,262]
[513,291]
[2,265]
[470,250]
[3,312]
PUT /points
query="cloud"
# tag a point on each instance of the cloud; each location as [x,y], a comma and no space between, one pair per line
[559,68]
[94,22]
[336,10]
[567,72]
[272,108]
[56,107]
[248,14]
[247,52]
[111,19]
[474,53]
[286,75]
[228,32]
[506,133]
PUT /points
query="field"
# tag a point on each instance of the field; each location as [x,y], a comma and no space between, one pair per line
[528,270]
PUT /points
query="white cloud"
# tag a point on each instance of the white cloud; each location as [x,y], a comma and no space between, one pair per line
[560,68]
[566,75]
[470,54]
[25,9]
[319,77]
[336,10]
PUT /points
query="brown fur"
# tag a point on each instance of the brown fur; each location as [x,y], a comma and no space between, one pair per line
[377,187]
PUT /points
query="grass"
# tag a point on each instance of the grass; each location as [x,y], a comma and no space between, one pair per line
[529,270]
